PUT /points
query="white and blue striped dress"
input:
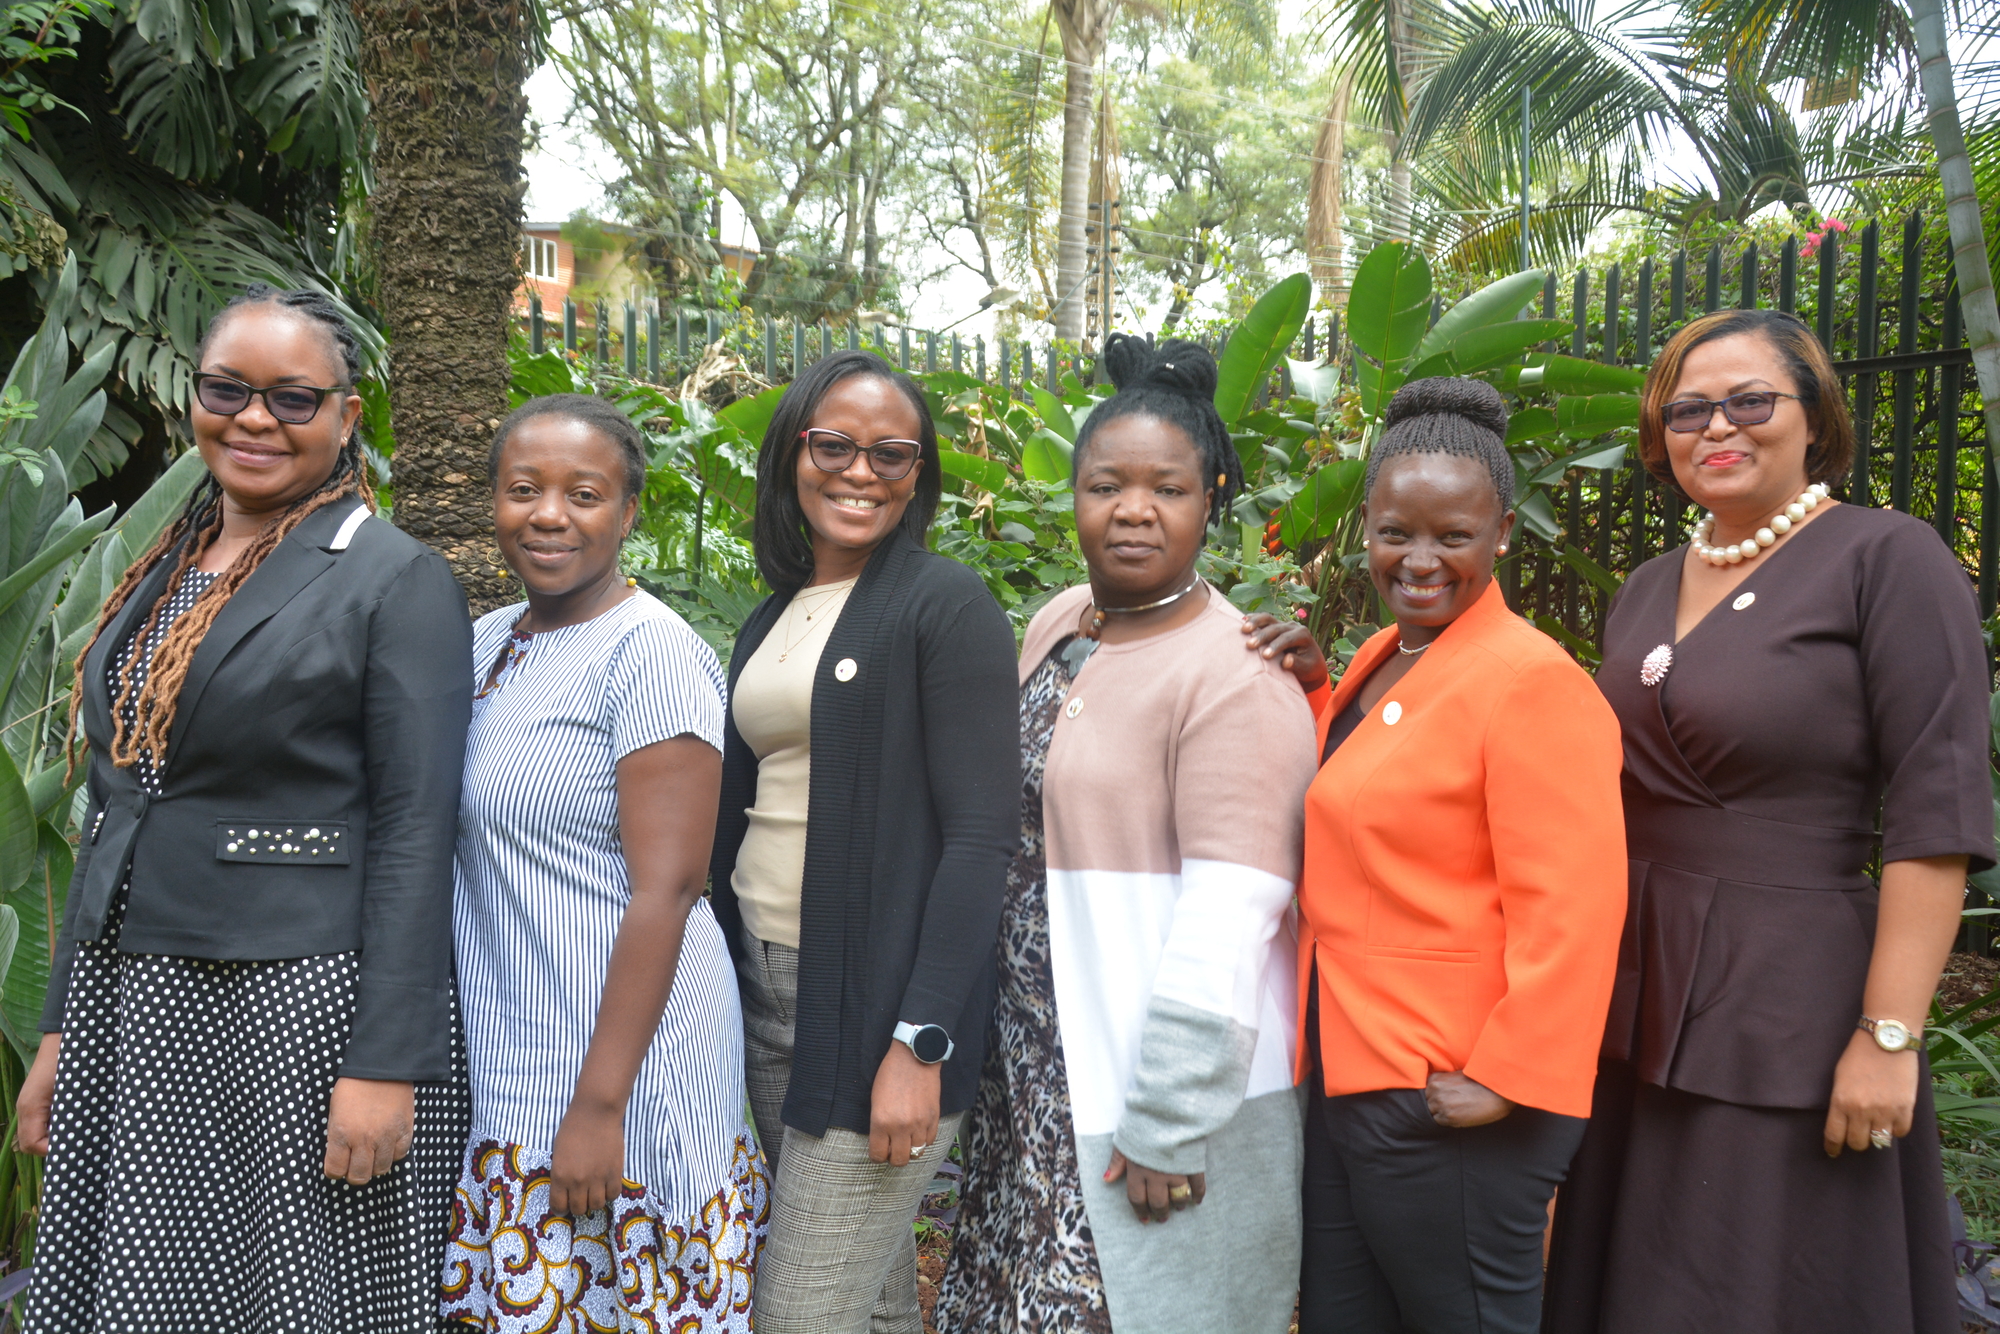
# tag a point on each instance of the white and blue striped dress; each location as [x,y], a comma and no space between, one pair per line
[541,891]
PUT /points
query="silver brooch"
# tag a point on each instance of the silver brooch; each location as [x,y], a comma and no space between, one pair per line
[1654,669]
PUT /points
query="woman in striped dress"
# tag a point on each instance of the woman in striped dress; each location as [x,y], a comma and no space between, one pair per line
[612,1180]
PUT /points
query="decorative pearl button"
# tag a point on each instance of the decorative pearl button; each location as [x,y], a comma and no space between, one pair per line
[1073,708]
[845,669]
[1744,601]
[1392,713]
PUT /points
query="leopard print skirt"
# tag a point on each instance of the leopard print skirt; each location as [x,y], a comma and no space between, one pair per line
[1022,1258]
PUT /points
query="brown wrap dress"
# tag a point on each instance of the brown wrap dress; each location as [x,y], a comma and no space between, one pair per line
[1845,678]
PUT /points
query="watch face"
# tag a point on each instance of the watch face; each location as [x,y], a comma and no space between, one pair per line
[930,1043]
[1891,1036]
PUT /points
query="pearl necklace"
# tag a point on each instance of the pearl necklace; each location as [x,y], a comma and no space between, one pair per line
[1736,553]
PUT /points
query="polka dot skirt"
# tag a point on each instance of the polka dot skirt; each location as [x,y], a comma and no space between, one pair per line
[184,1189]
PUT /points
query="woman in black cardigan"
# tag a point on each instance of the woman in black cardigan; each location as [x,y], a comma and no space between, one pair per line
[249,1014]
[871,771]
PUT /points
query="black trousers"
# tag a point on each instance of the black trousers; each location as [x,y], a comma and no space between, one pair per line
[1416,1228]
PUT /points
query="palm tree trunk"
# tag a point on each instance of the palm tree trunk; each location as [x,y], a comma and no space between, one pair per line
[1968,238]
[445,82]
[1071,259]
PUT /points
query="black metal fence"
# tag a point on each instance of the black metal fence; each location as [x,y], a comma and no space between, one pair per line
[1892,325]
[1890,321]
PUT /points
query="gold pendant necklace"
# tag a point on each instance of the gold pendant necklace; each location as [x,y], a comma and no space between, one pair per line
[829,598]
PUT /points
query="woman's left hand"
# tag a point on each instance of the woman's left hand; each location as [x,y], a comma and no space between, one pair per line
[1462,1103]
[369,1126]
[587,1167]
[1155,1196]
[1872,1090]
[1291,644]
[903,1107]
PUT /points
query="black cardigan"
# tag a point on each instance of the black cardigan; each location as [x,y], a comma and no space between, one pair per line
[914,810]
[333,694]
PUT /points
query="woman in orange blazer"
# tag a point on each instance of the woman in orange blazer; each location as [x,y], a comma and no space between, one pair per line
[1461,902]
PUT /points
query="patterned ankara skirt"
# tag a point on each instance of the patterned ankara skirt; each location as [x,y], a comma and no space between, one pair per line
[514,1268]
[184,1190]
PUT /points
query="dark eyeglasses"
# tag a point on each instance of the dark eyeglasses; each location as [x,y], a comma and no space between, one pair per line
[833,452]
[1745,409]
[226,396]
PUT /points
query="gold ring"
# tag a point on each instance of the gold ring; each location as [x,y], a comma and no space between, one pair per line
[1179,1193]
[1881,1139]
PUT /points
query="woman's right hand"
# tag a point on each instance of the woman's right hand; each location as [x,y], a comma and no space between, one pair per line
[38,1092]
[1462,1103]
[1155,1196]
[1289,642]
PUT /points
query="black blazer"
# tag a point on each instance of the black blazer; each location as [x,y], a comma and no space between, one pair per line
[913,813]
[332,694]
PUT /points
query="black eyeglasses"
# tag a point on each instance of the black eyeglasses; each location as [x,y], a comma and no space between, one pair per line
[833,452]
[1745,409]
[226,396]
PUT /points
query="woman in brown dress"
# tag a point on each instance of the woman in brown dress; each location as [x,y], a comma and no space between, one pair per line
[1762,1153]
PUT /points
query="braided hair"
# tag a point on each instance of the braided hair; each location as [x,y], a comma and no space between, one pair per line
[1448,414]
[1174,382]
[194,530]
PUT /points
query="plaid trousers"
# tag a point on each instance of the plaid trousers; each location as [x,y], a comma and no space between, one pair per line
[841,1257]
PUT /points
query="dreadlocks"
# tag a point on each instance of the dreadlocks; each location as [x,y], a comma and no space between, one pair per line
[192,532]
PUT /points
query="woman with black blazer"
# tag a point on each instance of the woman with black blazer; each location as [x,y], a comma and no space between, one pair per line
[249,1018]
[870,790]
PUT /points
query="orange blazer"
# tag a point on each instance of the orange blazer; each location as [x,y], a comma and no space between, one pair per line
[1464,884]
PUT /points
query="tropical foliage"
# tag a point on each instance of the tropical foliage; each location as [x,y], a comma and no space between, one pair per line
[56,567]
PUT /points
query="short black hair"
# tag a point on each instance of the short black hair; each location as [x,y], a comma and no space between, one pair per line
[783,541]
[599,414]
[1174,382]
[1448,414]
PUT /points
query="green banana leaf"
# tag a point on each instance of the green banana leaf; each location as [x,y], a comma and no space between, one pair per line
[38,906]
[1259,342]
[1046,457]
[1496,303]
[988,474]
[1329,495]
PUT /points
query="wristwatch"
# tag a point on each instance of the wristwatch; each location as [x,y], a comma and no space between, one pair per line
[1890,1034]
[927,1042]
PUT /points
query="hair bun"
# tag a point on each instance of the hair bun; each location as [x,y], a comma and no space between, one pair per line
[1177,366]
[1450,395]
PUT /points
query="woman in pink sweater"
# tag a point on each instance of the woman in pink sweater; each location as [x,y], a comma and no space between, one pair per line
[1134,1153]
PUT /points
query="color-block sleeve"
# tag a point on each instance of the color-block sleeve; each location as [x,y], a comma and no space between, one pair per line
[1241,766]
[1923,670]
[1557,823]
[662,682]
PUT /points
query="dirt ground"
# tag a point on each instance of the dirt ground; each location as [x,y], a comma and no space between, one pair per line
[1967,977]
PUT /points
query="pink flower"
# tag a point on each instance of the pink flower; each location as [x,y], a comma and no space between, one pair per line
[1836,224]
[1299,612]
